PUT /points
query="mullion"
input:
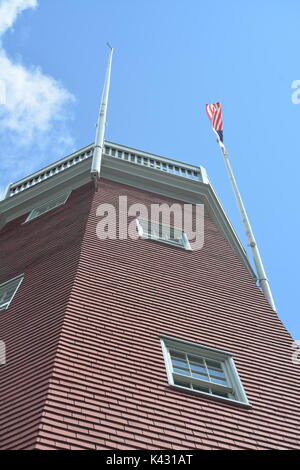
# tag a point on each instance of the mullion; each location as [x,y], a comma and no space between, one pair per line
[212,387]
[188,361]
[209,388]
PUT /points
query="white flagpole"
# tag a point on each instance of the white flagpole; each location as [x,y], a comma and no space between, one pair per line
[99,141]
[262,277]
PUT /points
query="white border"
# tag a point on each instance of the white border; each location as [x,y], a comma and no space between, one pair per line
[21,276]
[30,217]
[209,353]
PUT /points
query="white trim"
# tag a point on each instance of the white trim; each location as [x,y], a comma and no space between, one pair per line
[223,357]
[84,153]
[204,175]
[138,176]
[186,242]
[7,304]
[6,192]
[32,215]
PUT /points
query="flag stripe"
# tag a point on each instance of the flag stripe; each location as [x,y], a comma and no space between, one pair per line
[214,113]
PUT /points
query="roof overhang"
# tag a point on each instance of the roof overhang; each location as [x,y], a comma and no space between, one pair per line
[157,176]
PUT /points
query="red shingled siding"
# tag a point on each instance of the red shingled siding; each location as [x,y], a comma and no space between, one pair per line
[46,250]
[108,388]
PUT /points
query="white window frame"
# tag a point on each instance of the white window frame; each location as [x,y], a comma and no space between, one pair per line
[61,199]
[4,306]
[225,358]
[184,241]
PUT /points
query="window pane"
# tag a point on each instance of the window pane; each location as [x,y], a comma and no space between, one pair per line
[195,360]
[197,364]
[200,389]
[181,371]
[213,364]
[216,373]
[200,376]
[7,291]
[198,368]
[220,394]
[177,354]
[176,362]
[7,295]
[218,381]
[215,369]
[181,384]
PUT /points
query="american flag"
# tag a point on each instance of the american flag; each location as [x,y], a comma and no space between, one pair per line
[214,113]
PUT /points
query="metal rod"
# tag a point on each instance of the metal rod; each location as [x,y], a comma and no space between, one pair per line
[262,277]
[99,140]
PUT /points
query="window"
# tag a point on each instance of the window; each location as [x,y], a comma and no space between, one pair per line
[48,206]
[8,290]
[163,233]
[202,370]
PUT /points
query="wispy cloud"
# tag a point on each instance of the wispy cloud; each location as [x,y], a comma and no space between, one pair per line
[34,108]
[10,9]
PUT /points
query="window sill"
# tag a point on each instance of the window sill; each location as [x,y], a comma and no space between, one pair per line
[229,401]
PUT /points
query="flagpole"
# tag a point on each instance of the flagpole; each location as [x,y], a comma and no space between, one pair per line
[99,140]
[262,277]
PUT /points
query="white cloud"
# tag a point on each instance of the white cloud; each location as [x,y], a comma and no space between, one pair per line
[32,100]
[34,107]
[10,9]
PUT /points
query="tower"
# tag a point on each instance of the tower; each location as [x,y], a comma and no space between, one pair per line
[143,343]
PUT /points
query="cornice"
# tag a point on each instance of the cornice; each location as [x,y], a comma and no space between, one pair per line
[192,189]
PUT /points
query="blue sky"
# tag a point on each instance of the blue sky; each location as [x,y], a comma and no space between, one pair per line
[171,58]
